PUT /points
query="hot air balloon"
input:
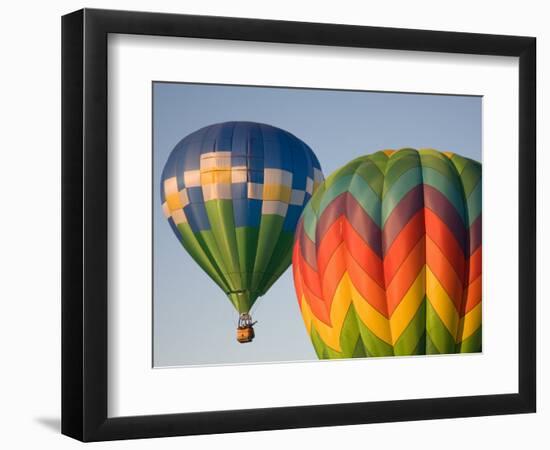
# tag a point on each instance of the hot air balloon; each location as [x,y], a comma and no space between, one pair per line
[233,193]
[387,257]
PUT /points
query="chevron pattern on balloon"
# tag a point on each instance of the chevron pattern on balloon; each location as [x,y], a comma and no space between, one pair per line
[387,257]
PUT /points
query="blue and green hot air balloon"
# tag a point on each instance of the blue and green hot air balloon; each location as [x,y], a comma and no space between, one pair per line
[233,193]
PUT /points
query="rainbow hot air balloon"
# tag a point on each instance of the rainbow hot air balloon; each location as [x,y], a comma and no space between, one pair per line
[233,193]
[387,257]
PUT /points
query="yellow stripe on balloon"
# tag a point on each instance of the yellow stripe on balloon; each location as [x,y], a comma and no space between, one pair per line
[441,303]
[408,307]
[341,302]
[171,194]
[278,192]
[373,320]
[469,324]
[216,176]
[174,201]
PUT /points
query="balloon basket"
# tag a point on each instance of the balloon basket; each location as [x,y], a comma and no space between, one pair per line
[245,329]
[245,335]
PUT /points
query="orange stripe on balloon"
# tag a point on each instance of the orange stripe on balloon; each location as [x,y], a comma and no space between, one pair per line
[317,305]
[361,252]
[402,245]
[405,276]
[335,268]
[440,234]
[312,291]
[310,277]
[329,244]
[367,287]
[473,295]
[475,265]
[444,272]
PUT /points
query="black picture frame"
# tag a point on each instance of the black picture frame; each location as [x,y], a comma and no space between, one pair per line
[84,224]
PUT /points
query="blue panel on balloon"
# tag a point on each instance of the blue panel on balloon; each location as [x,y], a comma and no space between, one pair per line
[224,139]
[194,194]
[256,176]
[197,217]
[292,216]
[238,190]
[192,155]
[255,163]
[239,144]
[273,148]
[300,169]
[238,160]
[247,213]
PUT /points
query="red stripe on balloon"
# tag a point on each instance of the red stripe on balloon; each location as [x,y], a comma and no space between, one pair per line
[475,234]
[440,234]
[368,288]
[403,245]
[444,272]
[406,275]
[445,210]
[336,267]
[475,265]
[407,207]
[363,254]
[330,242]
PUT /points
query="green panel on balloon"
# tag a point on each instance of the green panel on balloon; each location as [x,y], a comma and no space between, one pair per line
[349,335]
[270,228]
[201,255]
[220,216]
[471,344]
[281,259]
[408,342]
[247,244]
[438,332]
[373,345]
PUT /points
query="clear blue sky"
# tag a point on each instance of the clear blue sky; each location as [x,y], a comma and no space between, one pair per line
[194,323]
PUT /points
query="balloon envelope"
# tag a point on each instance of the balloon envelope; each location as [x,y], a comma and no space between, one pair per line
[387,257]
[232,193]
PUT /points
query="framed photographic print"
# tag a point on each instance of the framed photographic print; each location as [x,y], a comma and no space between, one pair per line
[252,203]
